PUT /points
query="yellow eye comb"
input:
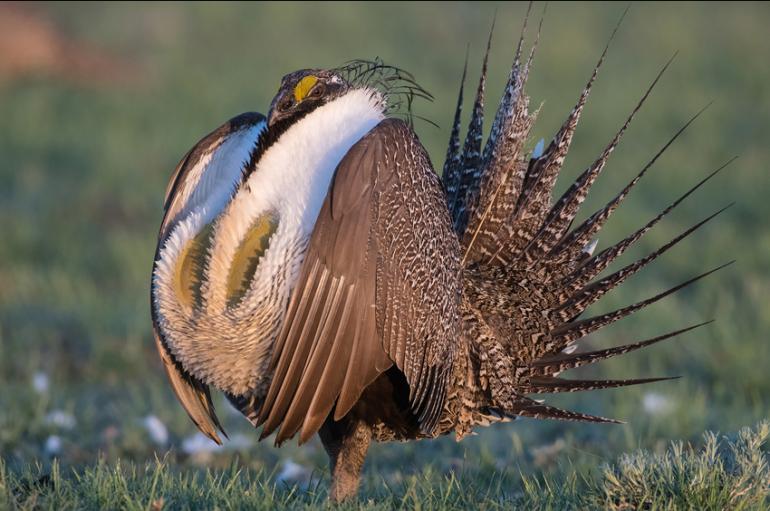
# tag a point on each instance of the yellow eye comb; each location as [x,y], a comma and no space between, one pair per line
[303,87]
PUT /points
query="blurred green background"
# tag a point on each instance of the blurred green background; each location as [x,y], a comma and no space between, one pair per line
[99,101]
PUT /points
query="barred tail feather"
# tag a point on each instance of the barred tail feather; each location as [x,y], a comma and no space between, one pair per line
[599,262]
[553,365]
[451,173]
[501,179]
[543,170]
[590,267]
[537,410]
[506,101]
[551,384]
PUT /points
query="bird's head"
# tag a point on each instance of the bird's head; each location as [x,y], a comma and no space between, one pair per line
[303,91]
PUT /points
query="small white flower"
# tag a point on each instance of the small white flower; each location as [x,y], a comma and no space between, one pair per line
[60,419]
[239,442]
[656,404]
[40,382]
[53,445]
[199,444]
[292,472]
[156,429]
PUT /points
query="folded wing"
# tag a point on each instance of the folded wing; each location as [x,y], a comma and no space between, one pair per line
[379,286]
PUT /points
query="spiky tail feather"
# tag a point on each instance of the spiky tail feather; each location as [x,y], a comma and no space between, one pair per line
[528,275]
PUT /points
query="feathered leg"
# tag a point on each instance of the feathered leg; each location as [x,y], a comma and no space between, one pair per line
[346,443]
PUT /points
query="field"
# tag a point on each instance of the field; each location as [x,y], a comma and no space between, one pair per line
[97,104]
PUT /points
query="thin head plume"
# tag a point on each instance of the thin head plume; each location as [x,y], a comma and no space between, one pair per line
[397,85]
[410,116]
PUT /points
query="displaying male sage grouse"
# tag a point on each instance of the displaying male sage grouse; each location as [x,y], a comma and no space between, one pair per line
[315,268]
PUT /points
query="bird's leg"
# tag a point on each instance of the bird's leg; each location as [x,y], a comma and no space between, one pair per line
[346,443]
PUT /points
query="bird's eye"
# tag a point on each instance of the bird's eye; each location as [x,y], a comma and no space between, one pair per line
[318,91]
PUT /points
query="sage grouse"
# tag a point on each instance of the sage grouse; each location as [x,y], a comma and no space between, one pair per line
[314,267]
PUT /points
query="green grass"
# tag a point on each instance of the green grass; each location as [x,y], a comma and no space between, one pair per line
[726,473]
[86,156]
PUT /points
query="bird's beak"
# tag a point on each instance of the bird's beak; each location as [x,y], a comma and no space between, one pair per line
[274,114]
[273,117]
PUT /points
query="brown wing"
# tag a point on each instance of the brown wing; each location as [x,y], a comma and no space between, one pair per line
[379,285]
[192,393]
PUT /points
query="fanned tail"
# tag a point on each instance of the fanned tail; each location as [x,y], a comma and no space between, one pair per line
[529,275]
